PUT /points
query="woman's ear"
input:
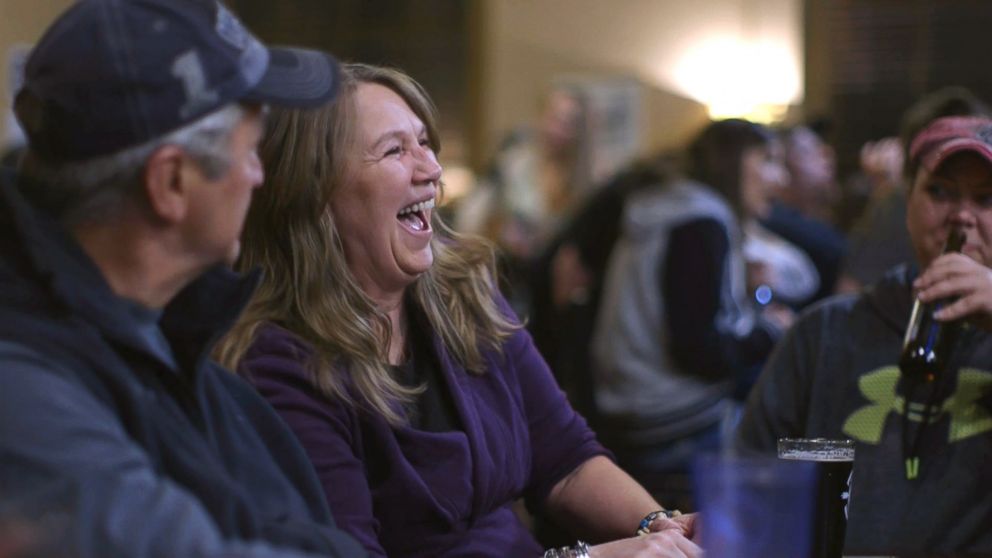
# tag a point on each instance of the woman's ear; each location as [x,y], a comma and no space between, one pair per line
[167,183]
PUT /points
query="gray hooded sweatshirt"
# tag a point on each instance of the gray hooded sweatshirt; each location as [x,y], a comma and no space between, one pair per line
[643,395]
[835,375]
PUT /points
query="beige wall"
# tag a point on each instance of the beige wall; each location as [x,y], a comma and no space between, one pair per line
[524,44]
[21,22]
[527,42]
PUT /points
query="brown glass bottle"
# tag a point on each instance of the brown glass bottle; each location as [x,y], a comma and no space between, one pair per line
[927,342]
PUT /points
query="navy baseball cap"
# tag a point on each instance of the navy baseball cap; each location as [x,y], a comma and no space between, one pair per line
[113,74]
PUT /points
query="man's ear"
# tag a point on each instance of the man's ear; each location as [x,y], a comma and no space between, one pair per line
[167,183]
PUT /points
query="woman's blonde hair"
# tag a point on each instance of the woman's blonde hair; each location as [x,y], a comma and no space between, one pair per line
[307,287]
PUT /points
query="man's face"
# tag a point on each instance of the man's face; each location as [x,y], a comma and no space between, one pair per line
[957,194]
[219,206]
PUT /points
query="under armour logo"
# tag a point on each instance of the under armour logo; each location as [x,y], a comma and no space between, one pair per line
[968,416]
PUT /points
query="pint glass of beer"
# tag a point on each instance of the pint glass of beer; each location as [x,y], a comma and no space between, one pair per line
[834,460]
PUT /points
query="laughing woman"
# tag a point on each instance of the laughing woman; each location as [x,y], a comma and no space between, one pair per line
[381,339]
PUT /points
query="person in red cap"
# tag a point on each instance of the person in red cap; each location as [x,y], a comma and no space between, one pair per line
[118,436]
[923,443]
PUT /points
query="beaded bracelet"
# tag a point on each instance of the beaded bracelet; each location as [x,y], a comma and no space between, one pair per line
[580,550]
[642,528]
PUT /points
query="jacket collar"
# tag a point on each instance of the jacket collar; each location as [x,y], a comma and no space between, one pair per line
[56,263]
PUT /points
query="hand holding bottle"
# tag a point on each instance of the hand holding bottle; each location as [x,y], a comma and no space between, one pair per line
[958,276]
[929,341]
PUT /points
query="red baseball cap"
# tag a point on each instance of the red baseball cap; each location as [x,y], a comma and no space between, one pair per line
[949,135]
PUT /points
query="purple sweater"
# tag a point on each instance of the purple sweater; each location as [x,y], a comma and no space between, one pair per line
[408,493]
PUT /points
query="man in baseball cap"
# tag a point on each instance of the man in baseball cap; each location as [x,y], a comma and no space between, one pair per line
[923,440]
[118,435]
[114,74]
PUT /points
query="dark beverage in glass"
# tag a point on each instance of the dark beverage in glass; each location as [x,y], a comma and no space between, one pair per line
[927,342]
[834,460]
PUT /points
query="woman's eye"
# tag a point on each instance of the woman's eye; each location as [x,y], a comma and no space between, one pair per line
[395,150]
[425,142]
[983,200]
[937,192]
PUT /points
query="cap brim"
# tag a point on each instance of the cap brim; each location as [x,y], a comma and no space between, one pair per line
[933,161]
[297,78]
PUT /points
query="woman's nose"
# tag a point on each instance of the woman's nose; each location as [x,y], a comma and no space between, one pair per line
[964,213]
[428,169]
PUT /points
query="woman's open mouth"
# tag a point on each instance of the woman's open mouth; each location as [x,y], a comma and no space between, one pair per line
[416,216]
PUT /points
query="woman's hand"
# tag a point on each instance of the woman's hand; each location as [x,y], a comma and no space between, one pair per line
[669,543]
[684,523]
[570,280]
[882,162]
[958,276]
[759,273]
[779,314]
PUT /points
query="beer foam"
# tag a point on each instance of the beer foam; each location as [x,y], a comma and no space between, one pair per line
[815,449]
[830,454]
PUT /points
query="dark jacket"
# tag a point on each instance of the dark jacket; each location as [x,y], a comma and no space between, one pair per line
[835,375]
[118,436]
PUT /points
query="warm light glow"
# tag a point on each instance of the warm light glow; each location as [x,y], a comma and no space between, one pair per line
[458,181]
[756,80]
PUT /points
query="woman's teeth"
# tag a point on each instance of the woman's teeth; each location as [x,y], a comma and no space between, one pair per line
[420,206]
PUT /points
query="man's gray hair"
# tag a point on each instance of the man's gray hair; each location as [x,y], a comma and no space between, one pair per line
[95,189]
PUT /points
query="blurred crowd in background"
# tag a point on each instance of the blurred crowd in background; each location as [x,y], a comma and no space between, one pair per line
[384,337]
[796,230]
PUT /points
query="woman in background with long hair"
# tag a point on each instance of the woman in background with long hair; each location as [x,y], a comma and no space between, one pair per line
[677,329]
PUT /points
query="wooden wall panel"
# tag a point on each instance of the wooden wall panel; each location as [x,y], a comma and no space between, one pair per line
[867,61]
[429,39]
